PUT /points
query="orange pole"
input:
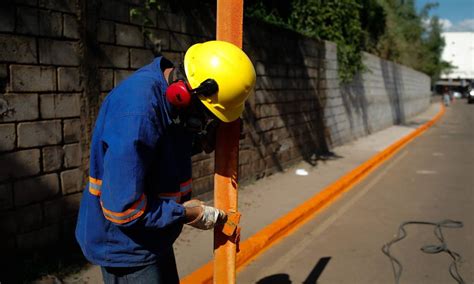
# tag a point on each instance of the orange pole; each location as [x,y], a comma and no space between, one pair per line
[229,28]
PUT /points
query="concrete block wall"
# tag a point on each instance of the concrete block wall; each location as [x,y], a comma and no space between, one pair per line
[40,87]
[384,95]
[59,59]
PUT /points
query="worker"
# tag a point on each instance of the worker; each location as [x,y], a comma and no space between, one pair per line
[148,127]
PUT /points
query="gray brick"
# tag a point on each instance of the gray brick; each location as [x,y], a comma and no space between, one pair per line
[106,79]
[140,21]
[7,137]
[35,189]
[58,52]
[60,105]
[72,155]
[160,38]
[140,57]
[3,71]
[63,207]
[44,237]
[28,218]
[27,21]
[6,196]
[18,49]
[32,78]
[169,21]
[114,56]
[25,107]
[27,2]
[115,10]
[8,223]
[31,134]
[52,158]
[120,75]
[260,68]
[105,32]
[71,181]
[180,42]
[59,5]
[19,164]
[174,57]
[50,23]
[7,18]
[71,27]
[69,79]
[8,244]
[128,35]
[72,130]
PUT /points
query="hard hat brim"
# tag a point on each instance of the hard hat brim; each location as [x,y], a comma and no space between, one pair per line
[228,115]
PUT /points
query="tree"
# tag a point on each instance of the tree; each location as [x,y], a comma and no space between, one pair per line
[433,45]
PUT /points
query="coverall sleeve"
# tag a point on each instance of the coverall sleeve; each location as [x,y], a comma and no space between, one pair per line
[130,141]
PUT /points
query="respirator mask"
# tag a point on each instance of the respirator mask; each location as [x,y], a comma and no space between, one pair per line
[190,113]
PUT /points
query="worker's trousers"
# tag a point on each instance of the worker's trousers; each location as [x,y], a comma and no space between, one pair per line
[163,272]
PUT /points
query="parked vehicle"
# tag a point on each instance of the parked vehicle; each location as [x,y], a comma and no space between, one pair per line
[470,98]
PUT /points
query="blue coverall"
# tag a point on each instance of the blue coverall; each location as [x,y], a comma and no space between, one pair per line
[140,172]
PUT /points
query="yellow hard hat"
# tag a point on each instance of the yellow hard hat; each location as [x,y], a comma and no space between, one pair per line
[230,67]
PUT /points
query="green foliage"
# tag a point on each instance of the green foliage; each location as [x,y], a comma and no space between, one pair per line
[143,14]
[433,44]
[391,29]
[372,19]
[333,20]
[412,38]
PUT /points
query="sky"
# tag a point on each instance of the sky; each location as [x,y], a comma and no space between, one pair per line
[455,15]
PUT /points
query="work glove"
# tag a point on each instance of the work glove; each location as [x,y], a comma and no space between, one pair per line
[201,216]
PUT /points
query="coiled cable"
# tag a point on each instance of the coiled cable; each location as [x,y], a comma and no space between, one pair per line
[441,247]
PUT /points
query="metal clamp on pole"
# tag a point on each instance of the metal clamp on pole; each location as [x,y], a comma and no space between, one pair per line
[231,227]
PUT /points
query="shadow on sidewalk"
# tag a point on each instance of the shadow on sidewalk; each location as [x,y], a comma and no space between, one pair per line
[283,278]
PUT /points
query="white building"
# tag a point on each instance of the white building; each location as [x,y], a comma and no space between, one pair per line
[459,51]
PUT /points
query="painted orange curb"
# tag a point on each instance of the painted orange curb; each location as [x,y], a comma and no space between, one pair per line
[284,226]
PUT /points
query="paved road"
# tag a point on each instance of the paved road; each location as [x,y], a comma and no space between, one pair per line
[429,180]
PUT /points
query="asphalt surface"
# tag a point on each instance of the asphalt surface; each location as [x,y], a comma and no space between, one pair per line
[431,179]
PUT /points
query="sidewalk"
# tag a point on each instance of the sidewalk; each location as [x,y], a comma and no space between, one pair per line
[270,198]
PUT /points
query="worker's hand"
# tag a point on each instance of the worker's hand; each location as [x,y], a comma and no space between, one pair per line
[201,216]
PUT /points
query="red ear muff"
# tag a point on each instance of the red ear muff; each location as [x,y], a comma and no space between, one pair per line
[178,94]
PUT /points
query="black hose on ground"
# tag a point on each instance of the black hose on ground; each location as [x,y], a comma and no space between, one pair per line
[442,247]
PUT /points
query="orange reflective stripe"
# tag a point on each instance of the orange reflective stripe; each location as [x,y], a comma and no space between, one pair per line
[94,186]
[126,212]
[95,181]
[170,194]
[186,182]
[186,192]
[122,221]
[93,191]
[137,210]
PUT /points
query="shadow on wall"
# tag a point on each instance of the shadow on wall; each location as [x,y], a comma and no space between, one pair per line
[355,103]
[394,85]
[37,229]
[284,119]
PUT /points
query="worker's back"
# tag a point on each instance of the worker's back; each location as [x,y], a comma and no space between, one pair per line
[140,167]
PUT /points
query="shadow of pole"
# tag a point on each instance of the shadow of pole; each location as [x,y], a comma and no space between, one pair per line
[317,270]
